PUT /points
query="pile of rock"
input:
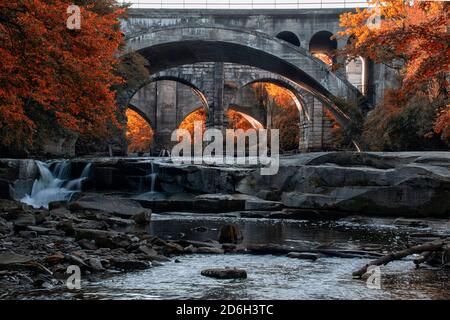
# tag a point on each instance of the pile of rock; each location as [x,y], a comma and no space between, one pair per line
[37,246]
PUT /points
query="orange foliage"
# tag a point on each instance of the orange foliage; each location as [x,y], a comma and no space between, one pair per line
[237,121]
[67,73]
[139,134]
[324,57]
[412,37]
[198,115]
[285,114]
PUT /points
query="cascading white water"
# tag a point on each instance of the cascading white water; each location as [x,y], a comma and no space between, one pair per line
[152,177]
[54,185]
[148,179]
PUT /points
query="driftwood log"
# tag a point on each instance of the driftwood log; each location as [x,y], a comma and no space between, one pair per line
[427,248]
[276,249]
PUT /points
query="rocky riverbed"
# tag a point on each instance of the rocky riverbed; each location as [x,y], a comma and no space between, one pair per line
[96,213]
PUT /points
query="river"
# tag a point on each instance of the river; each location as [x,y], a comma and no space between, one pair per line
[276,277]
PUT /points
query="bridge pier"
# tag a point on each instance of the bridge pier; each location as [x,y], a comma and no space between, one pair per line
[216,116]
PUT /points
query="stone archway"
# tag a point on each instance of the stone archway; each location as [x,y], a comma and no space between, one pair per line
[180,45]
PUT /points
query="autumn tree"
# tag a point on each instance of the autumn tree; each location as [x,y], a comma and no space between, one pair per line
[412,38]
[55,76]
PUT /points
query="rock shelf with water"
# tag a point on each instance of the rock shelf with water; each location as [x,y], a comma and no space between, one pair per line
[114,215]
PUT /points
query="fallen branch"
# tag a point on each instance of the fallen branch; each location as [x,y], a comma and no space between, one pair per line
[283,250]
[427,247]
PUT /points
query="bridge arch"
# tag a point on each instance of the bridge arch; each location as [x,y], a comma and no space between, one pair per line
[140,112]
[290,37]
[176,78]
[322,46]
[175,46]
[164,102]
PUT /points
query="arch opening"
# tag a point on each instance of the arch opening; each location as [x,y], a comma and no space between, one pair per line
[290,37]
[139,133]
[185,52]
[322,46]
[241,120]
[282,112]
[355,70]
[164,102]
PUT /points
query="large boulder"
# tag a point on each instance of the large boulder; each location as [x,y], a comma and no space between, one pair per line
[391,184]
[226,273]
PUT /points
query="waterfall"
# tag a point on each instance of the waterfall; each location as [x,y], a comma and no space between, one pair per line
[152,177]
[54,185]
[148,180]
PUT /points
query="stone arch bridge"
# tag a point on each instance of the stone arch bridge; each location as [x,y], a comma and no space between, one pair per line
[208,58]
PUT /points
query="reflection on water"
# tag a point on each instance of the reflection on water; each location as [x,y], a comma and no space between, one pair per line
[270,277]
[277,277]
[306,234]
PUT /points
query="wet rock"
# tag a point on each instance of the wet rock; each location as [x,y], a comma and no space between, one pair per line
[67,227]
[11,259]
[40,230]
[199,179]
[229,247]
[209,250]
[197,244]
[55,258]
[23,219]
[87,244]
[122,208]
[271,195]
[190,249]
[226,273]
[143,218]
[61,212]
[148,251]
[230,233]
[90,224]
[113,221]
[173,248]
[269,248]
[128,265]
[157,241]
[263,205]
[28,234]
[93,234]
[304,256]
[106,242]
[218,203]
[54,205]
[6,227]
[96,264]
[73,259]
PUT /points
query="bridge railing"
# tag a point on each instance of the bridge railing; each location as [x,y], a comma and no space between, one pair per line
[245,4]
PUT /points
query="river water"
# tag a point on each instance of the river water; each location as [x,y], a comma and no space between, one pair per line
[279,277]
